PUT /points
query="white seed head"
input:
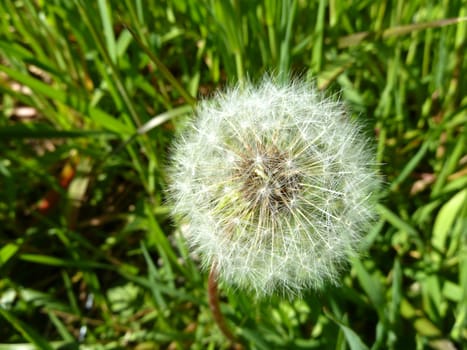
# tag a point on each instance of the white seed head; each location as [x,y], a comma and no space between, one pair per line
[277,184]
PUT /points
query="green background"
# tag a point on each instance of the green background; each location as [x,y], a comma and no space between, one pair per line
[89,257]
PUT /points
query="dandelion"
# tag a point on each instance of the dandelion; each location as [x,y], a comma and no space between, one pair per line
[277,184]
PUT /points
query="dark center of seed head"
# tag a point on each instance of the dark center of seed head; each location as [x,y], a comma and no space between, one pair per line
[269,181]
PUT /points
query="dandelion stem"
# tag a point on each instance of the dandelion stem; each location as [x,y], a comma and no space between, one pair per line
[214,305]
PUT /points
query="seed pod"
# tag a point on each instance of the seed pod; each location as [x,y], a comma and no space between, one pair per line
[277,185]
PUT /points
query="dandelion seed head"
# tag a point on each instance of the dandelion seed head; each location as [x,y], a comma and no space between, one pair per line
[277,185]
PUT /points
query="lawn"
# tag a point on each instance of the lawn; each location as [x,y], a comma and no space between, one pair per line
[93,95]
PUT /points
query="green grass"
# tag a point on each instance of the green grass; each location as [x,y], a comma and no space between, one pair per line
[82,175]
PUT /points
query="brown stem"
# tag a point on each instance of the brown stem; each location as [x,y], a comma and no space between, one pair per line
[214,305]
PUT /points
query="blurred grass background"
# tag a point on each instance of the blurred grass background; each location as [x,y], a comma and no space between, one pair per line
[89,257]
